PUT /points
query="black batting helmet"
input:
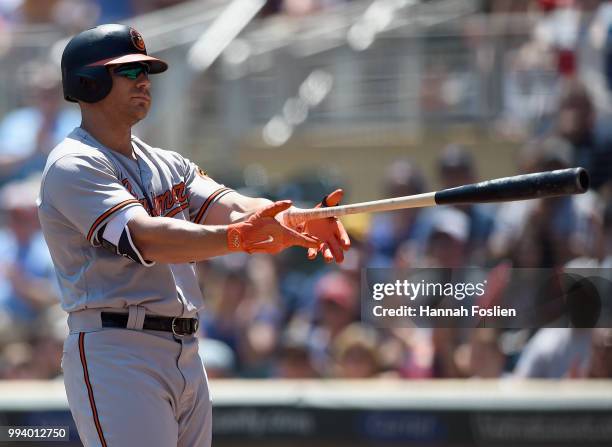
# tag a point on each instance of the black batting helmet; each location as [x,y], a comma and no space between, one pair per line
[85,76]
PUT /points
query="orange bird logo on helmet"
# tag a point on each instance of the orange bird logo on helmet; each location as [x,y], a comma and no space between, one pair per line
[137,39]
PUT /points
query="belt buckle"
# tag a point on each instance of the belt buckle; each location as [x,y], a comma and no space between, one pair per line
[174,329]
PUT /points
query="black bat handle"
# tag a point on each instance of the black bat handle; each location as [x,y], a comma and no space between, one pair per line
[519,187]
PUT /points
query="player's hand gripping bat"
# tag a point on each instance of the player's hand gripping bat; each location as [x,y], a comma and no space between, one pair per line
[519,187]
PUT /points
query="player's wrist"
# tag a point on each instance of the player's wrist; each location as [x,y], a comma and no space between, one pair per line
[234,237]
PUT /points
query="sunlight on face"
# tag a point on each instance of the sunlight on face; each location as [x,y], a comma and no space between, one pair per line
[130,99]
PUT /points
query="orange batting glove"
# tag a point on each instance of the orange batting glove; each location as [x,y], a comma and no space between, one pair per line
[263,233]
[330,231]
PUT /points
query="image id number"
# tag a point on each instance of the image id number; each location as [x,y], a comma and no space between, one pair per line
[8,433]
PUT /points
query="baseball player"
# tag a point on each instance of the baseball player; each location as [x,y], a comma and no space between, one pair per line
[124,222]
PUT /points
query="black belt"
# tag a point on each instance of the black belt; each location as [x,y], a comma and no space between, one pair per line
[178,326]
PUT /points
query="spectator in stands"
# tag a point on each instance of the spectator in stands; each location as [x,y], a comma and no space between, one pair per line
[36,358]
[511,216]
[261,319]
[456,167]
[606,246]
[46,355]
[561,228]
[446,249]
[36,11]
[595,66]
[575,119]
[390,230]
[28,134]
[536,70]
[482,356]
[218,357]
[558,28]
[555,353]
[356,353]
[294,357]
[294,362]
[576,124]
[222,321]
[550,232]
[16,362]
[244,321]
[448,239]
[337,307]
[27,283]
[410,351]
[529,91]
[445,341]
[601,358]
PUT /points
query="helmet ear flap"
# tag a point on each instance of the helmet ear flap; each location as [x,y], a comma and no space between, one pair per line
[89,84]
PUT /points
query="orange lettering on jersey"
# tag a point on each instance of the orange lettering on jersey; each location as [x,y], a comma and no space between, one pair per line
[160,203]
[179,192]
[168,199]
[165,201]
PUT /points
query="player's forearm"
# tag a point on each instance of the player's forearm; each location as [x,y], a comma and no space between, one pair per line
[170,240]
[246,206]
[173,241]
[234,208]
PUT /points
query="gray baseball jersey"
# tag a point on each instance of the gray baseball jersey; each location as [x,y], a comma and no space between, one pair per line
[85,185]
[126,386]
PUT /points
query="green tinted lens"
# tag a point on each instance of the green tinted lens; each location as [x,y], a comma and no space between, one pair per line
[131,71]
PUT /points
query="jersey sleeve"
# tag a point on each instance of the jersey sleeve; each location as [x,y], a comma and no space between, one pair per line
[87,192]
[202,191]
[116,236]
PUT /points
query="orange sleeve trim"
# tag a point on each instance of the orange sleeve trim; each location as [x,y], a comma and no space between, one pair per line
[176,210]
[104,216]
[92,402]
[211,198]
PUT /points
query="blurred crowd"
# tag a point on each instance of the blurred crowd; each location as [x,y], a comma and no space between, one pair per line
[287,317]
[76,13]
[73,14]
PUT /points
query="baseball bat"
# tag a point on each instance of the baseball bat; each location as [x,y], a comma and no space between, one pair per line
[519,187]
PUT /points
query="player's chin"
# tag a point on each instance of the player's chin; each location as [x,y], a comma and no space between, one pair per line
[141,109]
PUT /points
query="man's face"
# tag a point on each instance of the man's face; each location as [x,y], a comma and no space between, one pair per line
[130,97]
[446,251]
[451,177]
[576,120]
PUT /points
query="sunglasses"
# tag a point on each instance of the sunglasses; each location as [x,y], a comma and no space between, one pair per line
[132,71]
